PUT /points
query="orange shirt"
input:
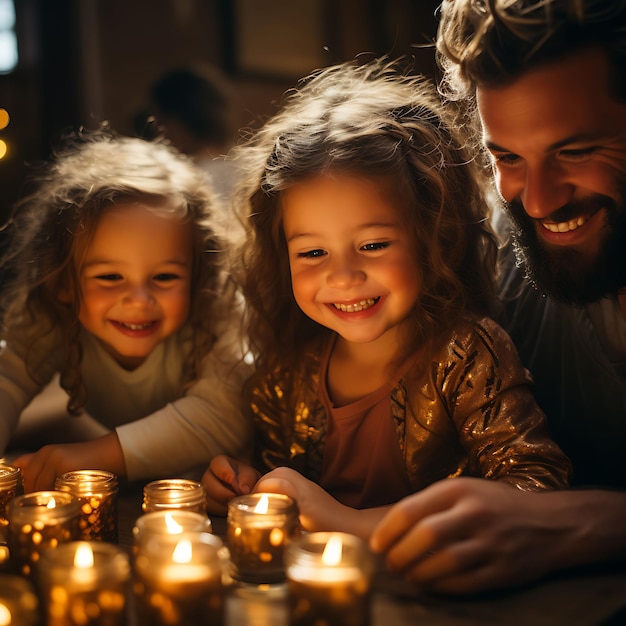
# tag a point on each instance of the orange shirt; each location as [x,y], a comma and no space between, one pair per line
[363,465]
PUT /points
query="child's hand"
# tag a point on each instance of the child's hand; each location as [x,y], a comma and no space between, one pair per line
[40,469]
[226,478]
[318,509]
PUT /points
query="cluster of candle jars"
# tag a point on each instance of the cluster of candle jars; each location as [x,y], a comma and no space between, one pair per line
[178,571]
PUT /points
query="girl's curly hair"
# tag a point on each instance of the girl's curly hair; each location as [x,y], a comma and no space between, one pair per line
[51,228]
[372,120]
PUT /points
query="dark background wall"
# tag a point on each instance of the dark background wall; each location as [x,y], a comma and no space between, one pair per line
[85,61]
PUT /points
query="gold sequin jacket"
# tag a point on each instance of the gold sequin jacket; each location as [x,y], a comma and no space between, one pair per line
[471,412]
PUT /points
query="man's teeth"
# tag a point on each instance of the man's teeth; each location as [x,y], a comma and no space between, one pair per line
[358,306]
[564,227]
[136,326]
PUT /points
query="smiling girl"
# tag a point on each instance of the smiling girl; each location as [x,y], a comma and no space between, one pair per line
[117,284]
[368,272]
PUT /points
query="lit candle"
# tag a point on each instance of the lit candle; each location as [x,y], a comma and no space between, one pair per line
[260,526]
[19,605]
[39,521]
[329,580]
[170,523]
[178,580]
[97,492]
[84,583]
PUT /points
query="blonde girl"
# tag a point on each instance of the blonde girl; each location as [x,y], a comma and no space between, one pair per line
[116,284]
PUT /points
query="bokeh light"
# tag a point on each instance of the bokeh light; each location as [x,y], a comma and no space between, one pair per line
[4,118]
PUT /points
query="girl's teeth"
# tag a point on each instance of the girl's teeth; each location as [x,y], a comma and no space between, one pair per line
[359,306]
[136,326]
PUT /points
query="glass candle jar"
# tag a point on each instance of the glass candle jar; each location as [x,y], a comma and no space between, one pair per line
[19,605]
[97,492]
[329,580]
[178,580]
[260,526]
[84,583]
[39,521]
[174,493]
[169,523]
[10,486]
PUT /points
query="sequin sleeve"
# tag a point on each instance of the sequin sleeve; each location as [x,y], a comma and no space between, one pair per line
[290,422]
[499,425]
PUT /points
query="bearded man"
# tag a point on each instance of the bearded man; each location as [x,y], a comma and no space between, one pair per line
[544,82]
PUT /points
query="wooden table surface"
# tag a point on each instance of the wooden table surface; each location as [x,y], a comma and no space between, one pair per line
[590,597]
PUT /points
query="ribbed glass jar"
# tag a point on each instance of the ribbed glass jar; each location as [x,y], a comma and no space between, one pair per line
[174,494]
[97,492]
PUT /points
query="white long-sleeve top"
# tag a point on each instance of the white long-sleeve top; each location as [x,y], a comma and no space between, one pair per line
[161,431]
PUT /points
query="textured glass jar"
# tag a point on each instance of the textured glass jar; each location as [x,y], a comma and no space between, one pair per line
[260,526]
[10,486]
[84,583]
[39,521]
[174,494]
[97,492]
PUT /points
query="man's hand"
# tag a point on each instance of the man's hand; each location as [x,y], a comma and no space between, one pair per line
[40,469]
[465,535]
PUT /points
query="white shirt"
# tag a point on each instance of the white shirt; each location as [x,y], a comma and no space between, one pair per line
[161,430]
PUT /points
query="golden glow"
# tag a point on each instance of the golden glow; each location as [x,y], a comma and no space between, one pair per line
[51,504]
[84,556]
[3,149]
[262,504]
[332,551]
[4,118]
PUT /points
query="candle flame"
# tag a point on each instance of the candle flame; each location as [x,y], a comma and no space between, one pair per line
[84,556]
[262,504]
[51,503]
[182,552]
[332,551]
[5,616]
[173,527]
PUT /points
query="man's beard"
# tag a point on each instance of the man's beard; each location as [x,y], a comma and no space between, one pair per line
[567,274]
